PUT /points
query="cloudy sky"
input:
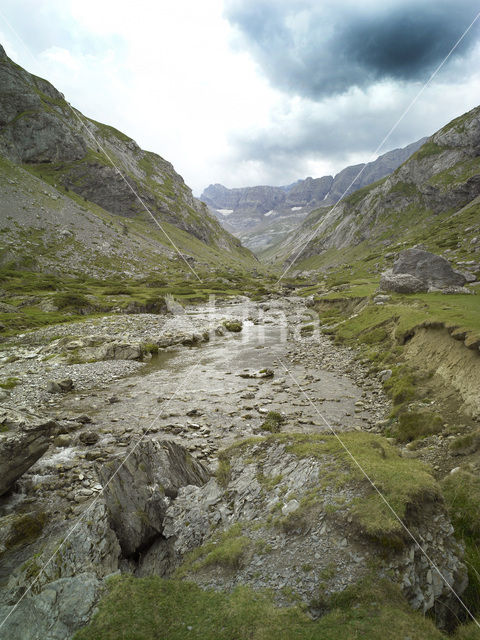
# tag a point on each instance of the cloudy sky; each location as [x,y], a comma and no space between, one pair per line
[247,92]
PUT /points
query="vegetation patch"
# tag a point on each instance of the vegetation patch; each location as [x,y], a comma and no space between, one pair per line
[25,528]
[403,482]
[227,550]
[415,424]
[235,326]
[71,301]
[273,422]
[9,383]
[153,608]
[462,495]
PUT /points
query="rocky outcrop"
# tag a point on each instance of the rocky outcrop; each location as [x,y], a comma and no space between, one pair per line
[58,611]
[24,439]
[139,488]
[60,586]
[310,528]
[417,270]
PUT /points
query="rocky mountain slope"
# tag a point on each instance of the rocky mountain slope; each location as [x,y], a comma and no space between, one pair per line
[433,199]
[65,207]
[262,215]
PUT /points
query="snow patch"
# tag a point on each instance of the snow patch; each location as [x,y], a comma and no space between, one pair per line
[225,212]
[296,208]
[270,213]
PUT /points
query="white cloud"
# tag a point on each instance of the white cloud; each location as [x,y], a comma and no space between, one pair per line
[174,76]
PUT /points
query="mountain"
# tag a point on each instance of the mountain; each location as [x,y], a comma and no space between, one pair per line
[261,216]
[432,199]
[75,193]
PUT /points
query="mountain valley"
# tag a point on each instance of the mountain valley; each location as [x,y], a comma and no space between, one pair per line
[200,442]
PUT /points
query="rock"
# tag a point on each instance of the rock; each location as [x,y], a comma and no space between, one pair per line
[385,375]
[89,437]
[60,386]
[120,351]
[234,326]
[91,547]
[290,507]
[62,440]
[401,283]
[138,489]
[56,612]
[24,442]
[417,270]
[263,373]
[258,477]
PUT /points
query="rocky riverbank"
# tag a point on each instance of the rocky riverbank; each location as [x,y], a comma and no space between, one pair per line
[110,389]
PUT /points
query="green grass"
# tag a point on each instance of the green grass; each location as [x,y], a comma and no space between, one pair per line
[156,609]
[462,495]
[428,149]
[226,549]
[273,422]
[402,481]
[9,383]
[414,424]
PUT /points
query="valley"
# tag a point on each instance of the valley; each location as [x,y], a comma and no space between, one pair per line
[197,441]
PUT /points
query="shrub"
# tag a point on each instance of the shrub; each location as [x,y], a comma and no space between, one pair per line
[273,422]
[414,424]
[74,301]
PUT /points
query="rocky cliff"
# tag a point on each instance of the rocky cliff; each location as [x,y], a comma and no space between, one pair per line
[83,169]
[260,216]
[431,199]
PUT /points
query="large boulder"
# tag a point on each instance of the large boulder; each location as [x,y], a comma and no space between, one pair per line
[24,439]
[417,270]
[401,283]
[138,489]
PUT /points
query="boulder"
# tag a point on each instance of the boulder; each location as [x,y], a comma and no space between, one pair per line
[60,386]
[24,440]
[120,351]
[434,271]
[401,283]
[138,489]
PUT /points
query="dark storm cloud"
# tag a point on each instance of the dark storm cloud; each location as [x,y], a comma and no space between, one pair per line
[317,48]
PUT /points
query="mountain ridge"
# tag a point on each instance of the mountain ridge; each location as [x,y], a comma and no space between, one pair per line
[432,198]
[260,215]
[43,135]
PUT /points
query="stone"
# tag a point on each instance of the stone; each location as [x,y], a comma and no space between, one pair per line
[120,351]
[263,373]
[290,507]
[385,374]
[417,270]
[62,440]
[60,386]
[401,283]
[89,437]
[58,611]
[25,440]
[138,489]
